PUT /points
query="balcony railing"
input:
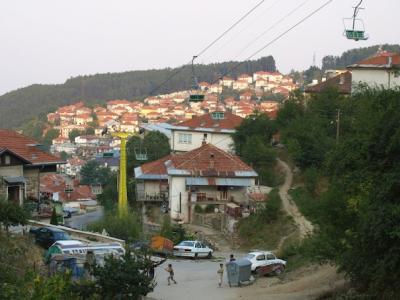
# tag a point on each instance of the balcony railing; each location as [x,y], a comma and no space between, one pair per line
[159,197]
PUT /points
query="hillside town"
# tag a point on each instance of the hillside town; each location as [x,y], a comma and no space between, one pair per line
[233,177]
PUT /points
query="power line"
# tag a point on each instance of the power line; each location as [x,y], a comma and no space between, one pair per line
[208,46]
[270,28]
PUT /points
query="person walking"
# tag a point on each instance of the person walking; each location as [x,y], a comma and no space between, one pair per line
[220,273]
[171,274]
[232,258]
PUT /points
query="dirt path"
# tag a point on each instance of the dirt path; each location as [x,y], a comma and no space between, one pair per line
[305,227]
[305,283]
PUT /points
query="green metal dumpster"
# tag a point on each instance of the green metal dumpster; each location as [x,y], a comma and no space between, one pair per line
[238,271]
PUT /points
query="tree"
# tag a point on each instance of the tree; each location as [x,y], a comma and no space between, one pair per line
[89,131]
[257,124]
[124,278]
[155,144]
[54,219]
[63,155]
[50,135]
[93,173]
[252,141]
[359,214]
[11,213]
[73,134]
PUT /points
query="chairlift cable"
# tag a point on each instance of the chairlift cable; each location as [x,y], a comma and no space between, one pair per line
[280,36]
[207,47]
[270,28]
[235,36]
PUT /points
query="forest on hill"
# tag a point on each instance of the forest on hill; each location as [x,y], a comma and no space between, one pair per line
[21,105]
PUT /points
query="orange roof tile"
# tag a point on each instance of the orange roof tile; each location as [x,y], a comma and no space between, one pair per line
[230,121]
[26,148]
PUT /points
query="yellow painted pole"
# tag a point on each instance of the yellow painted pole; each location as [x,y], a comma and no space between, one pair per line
[122,190]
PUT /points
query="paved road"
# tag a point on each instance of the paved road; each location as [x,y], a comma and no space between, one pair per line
[197,280]
[80,221]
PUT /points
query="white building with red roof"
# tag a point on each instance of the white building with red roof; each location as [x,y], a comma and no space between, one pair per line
[205,175]
[214,128]
[112,104]
[383,69]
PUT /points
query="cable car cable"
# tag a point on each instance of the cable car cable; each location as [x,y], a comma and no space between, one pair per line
[270,28]
[208,46]
[235,36]
[280,36]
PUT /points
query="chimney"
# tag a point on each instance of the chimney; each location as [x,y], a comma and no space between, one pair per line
[212,165]
[390,61]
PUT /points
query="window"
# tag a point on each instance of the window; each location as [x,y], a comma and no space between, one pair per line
[261,257]
[7,159]
[217,115]
[184,138]
[271,256]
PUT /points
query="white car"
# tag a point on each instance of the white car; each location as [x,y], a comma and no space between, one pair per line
[265,262]
[195,249]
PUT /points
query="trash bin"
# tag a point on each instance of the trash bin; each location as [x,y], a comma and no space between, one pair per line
[238,271]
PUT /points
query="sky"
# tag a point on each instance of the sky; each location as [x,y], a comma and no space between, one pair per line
[49,41]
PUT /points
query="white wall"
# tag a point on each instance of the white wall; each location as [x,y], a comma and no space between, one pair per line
[374,78]
[220,140]
[177,186]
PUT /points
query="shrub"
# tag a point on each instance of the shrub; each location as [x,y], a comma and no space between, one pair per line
[124,227]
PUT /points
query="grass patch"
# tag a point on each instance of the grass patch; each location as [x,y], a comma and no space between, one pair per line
[265,228]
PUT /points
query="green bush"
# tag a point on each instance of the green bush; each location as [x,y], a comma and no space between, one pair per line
[11,213]
[198,209]
[210,208]
[124,227]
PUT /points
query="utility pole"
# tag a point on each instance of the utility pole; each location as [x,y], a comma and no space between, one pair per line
[337,126]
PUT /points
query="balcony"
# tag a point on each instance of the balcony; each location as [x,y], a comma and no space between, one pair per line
[152,197]
[209,198]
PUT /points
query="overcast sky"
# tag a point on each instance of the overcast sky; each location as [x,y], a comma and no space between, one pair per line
[48,41]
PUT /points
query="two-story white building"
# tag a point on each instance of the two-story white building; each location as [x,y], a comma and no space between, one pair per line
[206,175]
[214,128]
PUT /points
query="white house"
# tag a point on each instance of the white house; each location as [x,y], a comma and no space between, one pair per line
[381,70]
[214,128]
[206,175]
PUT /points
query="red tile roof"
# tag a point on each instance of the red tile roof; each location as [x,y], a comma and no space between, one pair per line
[342,82]
[25,147]
[230,121]
[156,167]
[379,60]
[209,160]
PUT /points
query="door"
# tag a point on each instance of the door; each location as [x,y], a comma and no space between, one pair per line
[14,194]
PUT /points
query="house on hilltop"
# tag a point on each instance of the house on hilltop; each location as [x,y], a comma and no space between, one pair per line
[22,162]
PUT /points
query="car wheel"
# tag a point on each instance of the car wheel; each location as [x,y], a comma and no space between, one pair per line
[209,255]
[279,271]
[256,270]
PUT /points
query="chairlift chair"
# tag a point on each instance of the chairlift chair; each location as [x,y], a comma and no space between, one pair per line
[196,94]
[139,155]
[354,28]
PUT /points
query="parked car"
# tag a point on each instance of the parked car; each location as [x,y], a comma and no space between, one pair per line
[265,262]
[195,249]
[47,236]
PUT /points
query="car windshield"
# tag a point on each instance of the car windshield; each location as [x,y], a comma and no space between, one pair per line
[187,244]
[59,236]
[250,256]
